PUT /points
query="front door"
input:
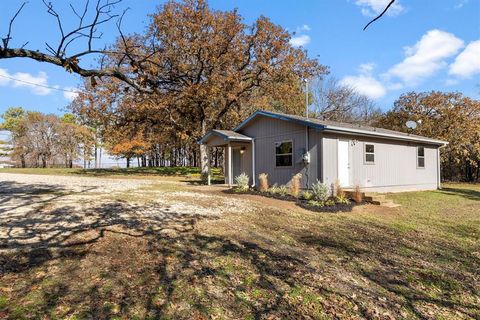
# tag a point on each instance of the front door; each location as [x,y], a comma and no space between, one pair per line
[344,163]
[236,163]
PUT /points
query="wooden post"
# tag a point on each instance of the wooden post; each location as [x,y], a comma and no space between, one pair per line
[230,162]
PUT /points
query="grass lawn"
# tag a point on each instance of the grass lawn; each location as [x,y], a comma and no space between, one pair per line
[190,172]
[418,261]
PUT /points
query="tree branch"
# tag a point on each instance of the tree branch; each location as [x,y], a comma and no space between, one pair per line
[380,15]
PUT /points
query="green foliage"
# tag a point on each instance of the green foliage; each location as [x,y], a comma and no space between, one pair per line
[342,200]
[280,190]
[330,202]
[242,181]
[307,195]
[11,118]
[321,191]
[68,118]
[315,203]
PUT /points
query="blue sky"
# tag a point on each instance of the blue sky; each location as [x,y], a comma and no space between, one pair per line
[420,45]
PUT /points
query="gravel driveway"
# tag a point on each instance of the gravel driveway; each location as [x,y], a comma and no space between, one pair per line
[56,211]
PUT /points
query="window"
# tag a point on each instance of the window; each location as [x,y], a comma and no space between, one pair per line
[369,153]
[420,157]
[284,154]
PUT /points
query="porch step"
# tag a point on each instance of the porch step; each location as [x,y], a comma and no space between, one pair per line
[375,198]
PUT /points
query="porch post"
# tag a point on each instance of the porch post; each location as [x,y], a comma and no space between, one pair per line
[230,162]
[209,166]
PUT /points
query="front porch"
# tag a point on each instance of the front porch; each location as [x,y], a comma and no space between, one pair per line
[239,154]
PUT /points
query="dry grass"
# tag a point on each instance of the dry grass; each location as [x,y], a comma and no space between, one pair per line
[263,182]
[295,185]
[419,261]
[338,190]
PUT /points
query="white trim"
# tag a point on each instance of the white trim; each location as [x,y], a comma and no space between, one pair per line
[381,134]
[230,165]
[418,157]
[365,153]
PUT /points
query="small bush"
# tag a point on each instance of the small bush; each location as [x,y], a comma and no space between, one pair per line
[357,194]
[307,195]
[320,191]
[242,182]
[280,190]
[339,192]
[263,182]
[315,203]
[342,200]
[330,202]
[295,185]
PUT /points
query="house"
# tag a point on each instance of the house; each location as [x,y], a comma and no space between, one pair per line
[283,145]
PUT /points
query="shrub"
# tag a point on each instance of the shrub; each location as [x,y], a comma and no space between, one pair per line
[295,185]
[263,182]
[320,191]
[242,182]
[342,200]
[330,202]
[315,203]
[339,192]
[307,195]
[357,194]
[281,190]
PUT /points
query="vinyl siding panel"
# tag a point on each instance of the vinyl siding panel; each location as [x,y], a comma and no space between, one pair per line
[267,131]
[395,167]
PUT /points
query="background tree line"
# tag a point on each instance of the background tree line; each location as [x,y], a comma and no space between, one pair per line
[194,69]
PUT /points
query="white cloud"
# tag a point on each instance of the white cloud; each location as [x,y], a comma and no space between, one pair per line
[36,83]
[71,94]
[365,83]
[467,63]
[300,40]
[460,4]
[426,57]
[371,8]
[305,27]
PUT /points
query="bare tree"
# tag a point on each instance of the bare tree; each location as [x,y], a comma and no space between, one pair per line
[337,102]
[91,17]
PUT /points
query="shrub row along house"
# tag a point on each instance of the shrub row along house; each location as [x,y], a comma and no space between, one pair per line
[283,145]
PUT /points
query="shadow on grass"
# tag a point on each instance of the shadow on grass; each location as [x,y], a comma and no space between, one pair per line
[466,193]
[408,272]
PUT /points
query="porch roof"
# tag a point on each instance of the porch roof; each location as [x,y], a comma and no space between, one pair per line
[226,135]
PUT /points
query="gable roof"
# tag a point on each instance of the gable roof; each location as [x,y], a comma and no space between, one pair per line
[340,127]
[227,135]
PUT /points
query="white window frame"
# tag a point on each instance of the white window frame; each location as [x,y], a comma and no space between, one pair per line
[418,157]
[283,154]
[365,153]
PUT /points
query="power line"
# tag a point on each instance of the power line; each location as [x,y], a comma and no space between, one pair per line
[37,85]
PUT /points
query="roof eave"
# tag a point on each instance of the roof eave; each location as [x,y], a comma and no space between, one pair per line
[384,135]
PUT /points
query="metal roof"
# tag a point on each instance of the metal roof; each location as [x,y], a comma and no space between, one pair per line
[227,135]
[340,127]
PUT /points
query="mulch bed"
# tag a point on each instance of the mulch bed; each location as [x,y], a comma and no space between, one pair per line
[338,207]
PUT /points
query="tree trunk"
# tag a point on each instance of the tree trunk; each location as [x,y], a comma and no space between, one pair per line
[203,152]
[128,162]
[70,164]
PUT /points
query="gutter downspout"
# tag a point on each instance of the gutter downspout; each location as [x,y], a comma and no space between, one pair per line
[253,163]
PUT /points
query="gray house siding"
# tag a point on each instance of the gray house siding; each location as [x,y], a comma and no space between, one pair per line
[267,131]
[395,167]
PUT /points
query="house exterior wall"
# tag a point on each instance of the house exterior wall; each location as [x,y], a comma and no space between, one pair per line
[267,131]
[395,167]
[245,160]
